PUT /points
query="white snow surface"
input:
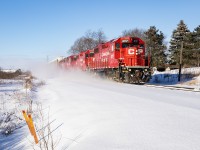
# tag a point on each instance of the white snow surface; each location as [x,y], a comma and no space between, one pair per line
[105,115]
[11,99]
[98,114]
[190,77]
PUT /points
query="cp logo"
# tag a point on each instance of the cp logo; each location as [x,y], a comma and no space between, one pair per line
[131,51]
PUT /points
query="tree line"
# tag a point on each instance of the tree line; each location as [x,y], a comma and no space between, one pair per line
[157,48]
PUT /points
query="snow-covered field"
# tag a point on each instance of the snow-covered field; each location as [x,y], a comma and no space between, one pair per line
[98,114]
[190,77]
[11,99]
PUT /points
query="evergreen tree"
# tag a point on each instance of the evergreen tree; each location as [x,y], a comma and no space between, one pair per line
[196,40]
[155,47]
[179,35]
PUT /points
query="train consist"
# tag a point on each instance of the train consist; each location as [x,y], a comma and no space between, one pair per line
[122,59]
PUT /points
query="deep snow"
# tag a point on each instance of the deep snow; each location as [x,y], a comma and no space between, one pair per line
[105,115]
[100,114]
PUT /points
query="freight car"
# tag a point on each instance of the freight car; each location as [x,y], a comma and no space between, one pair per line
[122,59]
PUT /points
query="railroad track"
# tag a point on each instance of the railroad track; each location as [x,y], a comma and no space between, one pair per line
[174,87]
[171,87]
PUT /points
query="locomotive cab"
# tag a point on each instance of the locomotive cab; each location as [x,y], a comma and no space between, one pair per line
[133,52]
[130,52]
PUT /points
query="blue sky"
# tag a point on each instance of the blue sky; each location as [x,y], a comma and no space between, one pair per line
[35,29]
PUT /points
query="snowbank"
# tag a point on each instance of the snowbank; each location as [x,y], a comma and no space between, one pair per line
[189,77]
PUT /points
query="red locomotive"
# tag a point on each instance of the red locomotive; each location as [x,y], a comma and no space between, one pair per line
[122,59]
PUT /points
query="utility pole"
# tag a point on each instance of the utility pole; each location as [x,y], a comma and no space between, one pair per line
[180,64]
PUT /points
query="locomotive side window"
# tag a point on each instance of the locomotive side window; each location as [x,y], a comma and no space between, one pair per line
[75,58]
[96,50]
[91,54]
[117,46]
[104,46]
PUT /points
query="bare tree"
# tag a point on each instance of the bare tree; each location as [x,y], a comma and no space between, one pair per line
[90,40]
[98,36]
[135,33]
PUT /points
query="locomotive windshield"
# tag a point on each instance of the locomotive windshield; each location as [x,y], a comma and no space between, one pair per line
[126,45]
[135,41]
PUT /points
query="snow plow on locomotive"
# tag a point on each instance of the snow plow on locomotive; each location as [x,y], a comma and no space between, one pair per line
[122,59]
